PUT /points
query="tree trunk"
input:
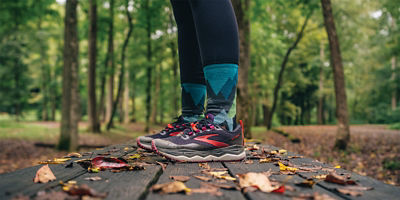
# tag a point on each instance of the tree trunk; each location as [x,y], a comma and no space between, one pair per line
[320,108]
[94,125]
[110,66]
[70,94]
[156,95]
[343,132]
[149,66]
[133,96]
[393,78]
[122,73]
[242,11]
[125,101]
[283,67]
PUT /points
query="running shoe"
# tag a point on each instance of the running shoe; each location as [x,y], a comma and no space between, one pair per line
[173,129]
[204,141]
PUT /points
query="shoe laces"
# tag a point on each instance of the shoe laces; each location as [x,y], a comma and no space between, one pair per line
[177,124]
[199,126]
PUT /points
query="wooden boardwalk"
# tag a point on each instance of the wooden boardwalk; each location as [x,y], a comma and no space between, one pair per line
[137,184]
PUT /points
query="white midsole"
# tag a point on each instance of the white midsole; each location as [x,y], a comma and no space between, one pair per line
[225,157]
[145,145]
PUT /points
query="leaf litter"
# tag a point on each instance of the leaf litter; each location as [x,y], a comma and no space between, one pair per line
[44,175]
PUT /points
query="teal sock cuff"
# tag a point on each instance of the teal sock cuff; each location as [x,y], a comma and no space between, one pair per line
[196,91]
[221,77]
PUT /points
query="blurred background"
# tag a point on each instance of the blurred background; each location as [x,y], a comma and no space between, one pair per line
[120,72]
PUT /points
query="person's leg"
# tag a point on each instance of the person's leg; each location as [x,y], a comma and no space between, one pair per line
[192,76]
[218,39]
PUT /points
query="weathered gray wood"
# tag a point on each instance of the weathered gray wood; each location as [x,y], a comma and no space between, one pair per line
[189,169]
[291,180]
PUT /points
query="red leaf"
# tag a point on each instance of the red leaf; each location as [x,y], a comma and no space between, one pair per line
[280,190]
[108,163]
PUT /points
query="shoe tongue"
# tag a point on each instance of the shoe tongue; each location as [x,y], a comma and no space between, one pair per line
[210,117]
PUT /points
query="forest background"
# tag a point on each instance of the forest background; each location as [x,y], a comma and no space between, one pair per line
[124,74]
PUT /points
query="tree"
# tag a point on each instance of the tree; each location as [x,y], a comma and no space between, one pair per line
[343,131]
[242,8]
[149,69]
[70,94]
[110,65]
[94,125]
[282,70]
[122,73]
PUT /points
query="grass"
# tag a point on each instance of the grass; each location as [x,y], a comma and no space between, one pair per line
[395,126]
[10,129]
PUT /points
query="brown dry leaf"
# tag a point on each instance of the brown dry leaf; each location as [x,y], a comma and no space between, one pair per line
[83,190]
[203,178]
[171,187]
[265,160]
[257,180]
[290,157]
[248,162]
[207,188]
[221,175]
[44,175]
[350,192]
[180,178]
[93,178]
[335,178]
[361,188]
[204,165]
[74,155]
[163,165]
[307,183]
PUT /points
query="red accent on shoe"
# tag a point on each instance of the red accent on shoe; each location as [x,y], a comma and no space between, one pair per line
[194,126]
[170,126]
[205,139]
[241,124]
[175,133]
[141,146]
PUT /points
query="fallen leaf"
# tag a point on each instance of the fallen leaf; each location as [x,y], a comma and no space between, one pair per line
[346,191]
[203,178]
[204,165]
[55,161]
[74,155]
[44,175]
[257,180]
[205,188]
[223,186]
[221,175]
[108,163]
[134,156]
[163,165]
[265,160]
[180,178]
[73,189]
[248,162]
[307,183]
[290,157]
[335,178]
[171,187]
[280,190]
[356,187]
[283,167]
[337,167]
[282,151]
[320,176]
[93,178]
[43,195]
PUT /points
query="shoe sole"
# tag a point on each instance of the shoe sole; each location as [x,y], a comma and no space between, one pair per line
[144,146]
[226,157]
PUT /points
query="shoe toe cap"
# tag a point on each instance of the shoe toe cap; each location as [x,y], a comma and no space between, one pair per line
[160,143]
[145,139]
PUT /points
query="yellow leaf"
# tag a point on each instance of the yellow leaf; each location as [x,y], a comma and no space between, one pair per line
[321,176]
[283,167]
[282,151]
[265,160]
[229,178]
[134,156]
[337,166]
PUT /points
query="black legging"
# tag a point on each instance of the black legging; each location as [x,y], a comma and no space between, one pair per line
[207,34]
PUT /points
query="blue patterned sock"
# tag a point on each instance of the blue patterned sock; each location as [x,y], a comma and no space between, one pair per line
[221,81]
[193,96]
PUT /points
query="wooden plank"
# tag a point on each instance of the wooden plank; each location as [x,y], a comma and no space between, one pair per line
[381,190]
[190,169]
[21,181]
[291,180]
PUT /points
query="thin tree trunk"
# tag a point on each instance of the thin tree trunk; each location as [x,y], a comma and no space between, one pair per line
[156,95]
[133,96]
[393,78]
[110,66]
[149,66]
[343,132]
[70,96]
[94,125]
[125,101]
[283,67]
[242,11]
[45,78]
[122,73]
[320,108]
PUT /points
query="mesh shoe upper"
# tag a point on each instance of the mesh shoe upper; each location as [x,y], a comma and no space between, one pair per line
[173,129]
[203,135]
